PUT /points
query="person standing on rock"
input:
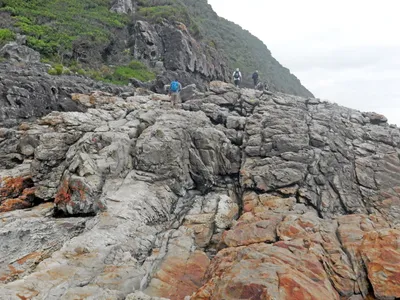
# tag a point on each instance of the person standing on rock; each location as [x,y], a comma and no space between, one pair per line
[255,78]
[237,77]
[174,92]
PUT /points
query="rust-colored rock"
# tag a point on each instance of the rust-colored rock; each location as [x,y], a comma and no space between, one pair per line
[13,204]
[178,277]
[282,271]
[351,231]
[12,187]
[269,202]
[181,271]
[319,236]
[380,251]
[252,229]
[16,193]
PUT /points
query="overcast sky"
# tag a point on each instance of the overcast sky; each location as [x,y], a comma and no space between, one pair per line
[346,51]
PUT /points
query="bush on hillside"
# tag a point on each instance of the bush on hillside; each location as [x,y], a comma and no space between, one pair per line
[6,35]
[118,75]
[135,69]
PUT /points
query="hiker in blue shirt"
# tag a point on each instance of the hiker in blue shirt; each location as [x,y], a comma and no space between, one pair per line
[174,91]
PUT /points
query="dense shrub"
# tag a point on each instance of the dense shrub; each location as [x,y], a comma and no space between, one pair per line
[135,69]
[6,35]
[52,25]
[118,75]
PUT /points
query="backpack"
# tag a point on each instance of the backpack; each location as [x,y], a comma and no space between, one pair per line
[174,87]
[236,75]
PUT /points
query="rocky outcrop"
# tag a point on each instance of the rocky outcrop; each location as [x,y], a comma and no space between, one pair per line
[241,194]
[19,53]
[181,55]
[123,6]
[28,92]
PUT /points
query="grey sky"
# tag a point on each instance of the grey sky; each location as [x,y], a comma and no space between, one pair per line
[346,51]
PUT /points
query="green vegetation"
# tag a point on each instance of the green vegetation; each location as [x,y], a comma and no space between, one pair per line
[81,36]
[170,10]
[51,26]
[117,75]
[135,69]
[6,35]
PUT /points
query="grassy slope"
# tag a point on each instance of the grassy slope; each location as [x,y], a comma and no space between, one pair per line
[53,27]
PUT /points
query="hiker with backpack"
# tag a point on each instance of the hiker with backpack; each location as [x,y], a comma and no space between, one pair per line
[255,78]
[174,92]
[237,77]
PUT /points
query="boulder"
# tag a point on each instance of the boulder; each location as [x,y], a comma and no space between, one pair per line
[189,92]
[123,7]
[16,52]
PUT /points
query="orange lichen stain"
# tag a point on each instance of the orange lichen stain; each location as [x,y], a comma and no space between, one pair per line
[33,293]
[78,187]
[291,231]
[3,278]
[305,224]
[64,194]
[28,192]
[13,204]
[12,185]
[31,256]
[12,274]
[14,271]
[294,290]
[82,296]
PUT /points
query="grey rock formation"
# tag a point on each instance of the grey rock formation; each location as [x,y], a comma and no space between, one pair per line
[189,92]
[27,91]
[19,53]
[183,57]
[123,7]
[156,193]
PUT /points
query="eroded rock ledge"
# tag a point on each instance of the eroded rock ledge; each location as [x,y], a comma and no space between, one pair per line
[240,194]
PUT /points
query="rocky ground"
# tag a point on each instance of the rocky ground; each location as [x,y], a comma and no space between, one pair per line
[241,194]
[27,91]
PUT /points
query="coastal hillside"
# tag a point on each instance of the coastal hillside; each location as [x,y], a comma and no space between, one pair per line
[150,40]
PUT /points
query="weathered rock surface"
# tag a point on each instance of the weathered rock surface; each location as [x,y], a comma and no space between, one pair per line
[181,55]
[27,91]
[19,53]
[242,194]
[123,6]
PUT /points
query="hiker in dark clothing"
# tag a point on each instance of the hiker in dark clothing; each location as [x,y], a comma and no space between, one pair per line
[237,77]
[255,78]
